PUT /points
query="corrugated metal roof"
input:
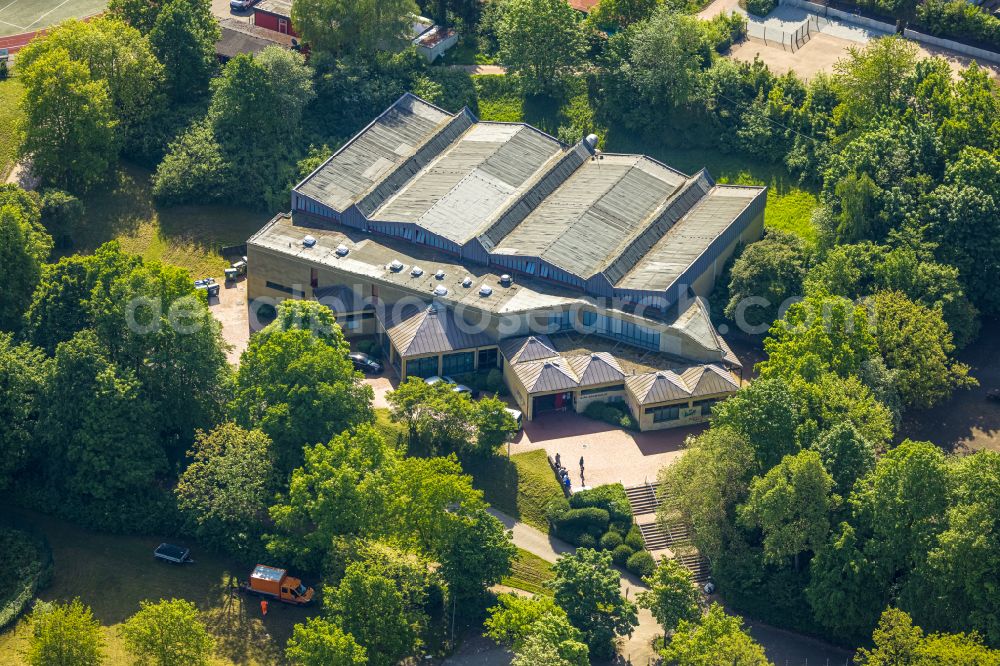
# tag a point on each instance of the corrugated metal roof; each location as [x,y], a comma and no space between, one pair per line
[593,213]
[530,348]
[432,330]
[471,180]
[693,382]
[374,152]
[659,266]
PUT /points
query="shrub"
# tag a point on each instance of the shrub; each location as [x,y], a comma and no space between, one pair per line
[616,413]
[634,539]
[725,30]
[759,7]
[494,382]
[586,541]
[959,20]
[641,563]
[575,523]
[555,509]
[610,497]
[25,568]
[3,70]
[611,540]
[621,554]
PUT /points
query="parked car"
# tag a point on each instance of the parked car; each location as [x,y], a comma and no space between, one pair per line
[517,416]
[365,363]
[168,552]
[459,388]
[241,5]
[209,285]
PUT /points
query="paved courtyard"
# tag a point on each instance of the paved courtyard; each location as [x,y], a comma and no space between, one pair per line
[611,455]
[230,308]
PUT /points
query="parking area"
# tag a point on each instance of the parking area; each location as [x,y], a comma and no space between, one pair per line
[230,309]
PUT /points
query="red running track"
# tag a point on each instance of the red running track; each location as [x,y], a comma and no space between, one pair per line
[14,43]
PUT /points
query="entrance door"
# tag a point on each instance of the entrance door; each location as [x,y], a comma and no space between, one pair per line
[283,26]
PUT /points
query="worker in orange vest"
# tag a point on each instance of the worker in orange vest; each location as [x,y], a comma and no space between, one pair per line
[263,607]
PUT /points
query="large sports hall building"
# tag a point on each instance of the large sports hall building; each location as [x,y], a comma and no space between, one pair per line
[465,246]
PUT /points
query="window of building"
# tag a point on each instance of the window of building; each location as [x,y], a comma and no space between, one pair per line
[297,293]
[626,331]
[488,358]
[603,389]
[457,364]
[661,414]
[313,278]
[422,367]
[706,405]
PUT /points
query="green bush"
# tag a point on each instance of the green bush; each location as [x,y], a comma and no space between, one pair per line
[494,382]
[611,540]
[958,19]
[4,72]
[586,541]
[634,539]
[555,509]
[759,7]
[641,563]
[610,497]
[26,566]
[616,413]
[575,523]
[621,554]
[724,30]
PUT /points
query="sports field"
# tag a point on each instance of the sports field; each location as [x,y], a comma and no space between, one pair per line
[24,16]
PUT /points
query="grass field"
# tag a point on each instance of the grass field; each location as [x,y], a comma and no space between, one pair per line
[530,573]
[185,236]
[112,574]
[11,92]
[21,16]
[520,487]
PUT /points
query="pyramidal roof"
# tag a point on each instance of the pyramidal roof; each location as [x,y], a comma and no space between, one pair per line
[596,368]
[692,382]
[530,348]
[432,330]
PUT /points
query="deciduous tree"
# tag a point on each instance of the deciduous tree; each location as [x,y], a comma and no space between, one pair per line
[183,37]
[540,40]
[167,633]
[320,642]
[64,635]
[24,247]
[672,595]
[771,269]
[717,639]
[342,27]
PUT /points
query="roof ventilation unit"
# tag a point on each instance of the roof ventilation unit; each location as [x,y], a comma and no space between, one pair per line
[485,290]
[440,290]
[506,280]
[467,282]
[396,266]
[416,271]
[309,241]
[342,250]
[440,274]
[591,141]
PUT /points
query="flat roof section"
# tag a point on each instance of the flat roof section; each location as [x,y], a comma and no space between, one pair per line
[689,238]
[374,153]
[472,180]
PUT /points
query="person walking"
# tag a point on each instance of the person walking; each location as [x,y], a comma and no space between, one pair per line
[263,607]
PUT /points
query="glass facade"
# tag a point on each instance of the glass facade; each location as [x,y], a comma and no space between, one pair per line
[488,358]
[603,389]
[706,405]
[457,364]
[626,331]
[422,367]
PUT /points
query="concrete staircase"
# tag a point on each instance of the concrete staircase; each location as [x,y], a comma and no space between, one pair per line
[671,538]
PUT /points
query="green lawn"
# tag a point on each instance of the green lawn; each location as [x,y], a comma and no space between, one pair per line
[520,487]
[392,432]
[11,92]
[185,236]
[112,574]
[530,573]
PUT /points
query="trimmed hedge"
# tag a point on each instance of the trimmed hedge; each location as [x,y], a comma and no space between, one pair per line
[641,563]
[621,554]
[611,540]
[634,539]
[611,498]
[26,567]
[575,523]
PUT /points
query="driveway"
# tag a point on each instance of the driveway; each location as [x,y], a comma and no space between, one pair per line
[611,455]
[230,308]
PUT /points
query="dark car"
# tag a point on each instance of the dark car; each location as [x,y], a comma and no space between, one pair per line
[365,363]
